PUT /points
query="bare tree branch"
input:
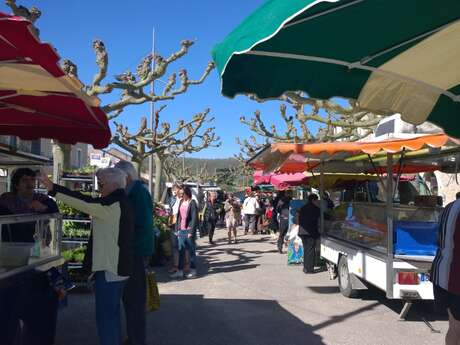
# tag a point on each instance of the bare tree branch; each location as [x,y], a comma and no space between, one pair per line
[31,14]
[336,122]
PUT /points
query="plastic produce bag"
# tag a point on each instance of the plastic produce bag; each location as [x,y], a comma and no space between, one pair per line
[153,294]
[295,246]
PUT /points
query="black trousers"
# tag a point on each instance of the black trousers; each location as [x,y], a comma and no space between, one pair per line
[309,253]
[33,301]
[282,229]
[210,227]
[134,301]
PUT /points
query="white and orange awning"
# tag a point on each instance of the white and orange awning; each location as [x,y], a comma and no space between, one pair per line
[286,157]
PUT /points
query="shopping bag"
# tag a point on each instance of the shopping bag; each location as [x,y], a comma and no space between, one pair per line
[295,251]
[293,232]
[153,294]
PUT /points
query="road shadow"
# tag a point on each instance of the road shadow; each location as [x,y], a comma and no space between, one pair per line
[324,290]
[227,321]
[421,309]
[222,258]
[194,320]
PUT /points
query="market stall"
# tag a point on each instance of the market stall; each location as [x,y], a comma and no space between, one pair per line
[44,252]
[380,234]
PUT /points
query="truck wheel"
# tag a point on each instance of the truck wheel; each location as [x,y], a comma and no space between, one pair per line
[345,285]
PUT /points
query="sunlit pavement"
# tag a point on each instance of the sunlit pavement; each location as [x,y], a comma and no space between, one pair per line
[245,293]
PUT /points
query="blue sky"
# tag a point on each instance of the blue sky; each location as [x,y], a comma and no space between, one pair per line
[126,29]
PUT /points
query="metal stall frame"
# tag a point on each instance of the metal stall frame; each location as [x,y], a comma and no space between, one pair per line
[45,263]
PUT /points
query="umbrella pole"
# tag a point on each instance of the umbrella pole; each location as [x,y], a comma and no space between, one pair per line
[152,111]
[321,192]
[389,192]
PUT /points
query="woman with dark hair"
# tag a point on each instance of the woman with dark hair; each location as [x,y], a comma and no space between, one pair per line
[31,298]
[186,224]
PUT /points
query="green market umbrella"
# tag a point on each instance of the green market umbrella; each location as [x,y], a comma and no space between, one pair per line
[393,56]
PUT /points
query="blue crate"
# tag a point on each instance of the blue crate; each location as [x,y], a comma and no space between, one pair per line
[415,238]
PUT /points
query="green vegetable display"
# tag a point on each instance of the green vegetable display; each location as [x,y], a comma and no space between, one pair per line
[74,255]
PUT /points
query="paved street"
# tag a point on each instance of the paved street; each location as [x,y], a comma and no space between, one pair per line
[246,294]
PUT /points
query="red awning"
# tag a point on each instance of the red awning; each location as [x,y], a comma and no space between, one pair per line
[37,99]
[280,181]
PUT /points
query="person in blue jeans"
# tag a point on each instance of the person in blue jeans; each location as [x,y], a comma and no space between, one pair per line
[109,255]
[186,224]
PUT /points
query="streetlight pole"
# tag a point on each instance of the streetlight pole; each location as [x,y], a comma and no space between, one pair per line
[152,115]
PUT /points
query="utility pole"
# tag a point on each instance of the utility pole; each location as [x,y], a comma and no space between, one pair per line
[183,165]
[152,116]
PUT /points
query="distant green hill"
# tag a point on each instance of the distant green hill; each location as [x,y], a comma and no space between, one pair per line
[213,166]
[195,164]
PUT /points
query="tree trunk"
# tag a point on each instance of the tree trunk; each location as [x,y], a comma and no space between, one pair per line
[61,159]
[158,177]
[137,165]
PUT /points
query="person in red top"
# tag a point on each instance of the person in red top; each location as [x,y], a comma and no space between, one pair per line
[445,270]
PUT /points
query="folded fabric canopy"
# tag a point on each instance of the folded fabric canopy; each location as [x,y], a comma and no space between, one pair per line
[347,157]
[391,56]
[37,99]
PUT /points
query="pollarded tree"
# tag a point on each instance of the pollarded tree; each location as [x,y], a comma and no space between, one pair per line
[176,170]
[334,122]
[164,142]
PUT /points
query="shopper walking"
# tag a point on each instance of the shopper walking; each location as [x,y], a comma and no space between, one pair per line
[250,208]
[260,213]
[232,209]
[308,220]
[282,211]
[445,270]
[134,295]
[187,222]
[109,255]
[178,261]
[210,215]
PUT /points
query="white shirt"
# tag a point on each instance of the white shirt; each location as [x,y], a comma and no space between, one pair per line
[175,208]
[250,205]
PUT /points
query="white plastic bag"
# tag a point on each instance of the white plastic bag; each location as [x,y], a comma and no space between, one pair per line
[293,232]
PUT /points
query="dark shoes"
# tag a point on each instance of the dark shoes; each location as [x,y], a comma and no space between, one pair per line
[308,272]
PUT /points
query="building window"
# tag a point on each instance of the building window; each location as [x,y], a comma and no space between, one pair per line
[79,158]
[36,147]
[13,141]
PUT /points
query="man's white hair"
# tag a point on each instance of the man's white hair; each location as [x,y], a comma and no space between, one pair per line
[129,169]
[115,176]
